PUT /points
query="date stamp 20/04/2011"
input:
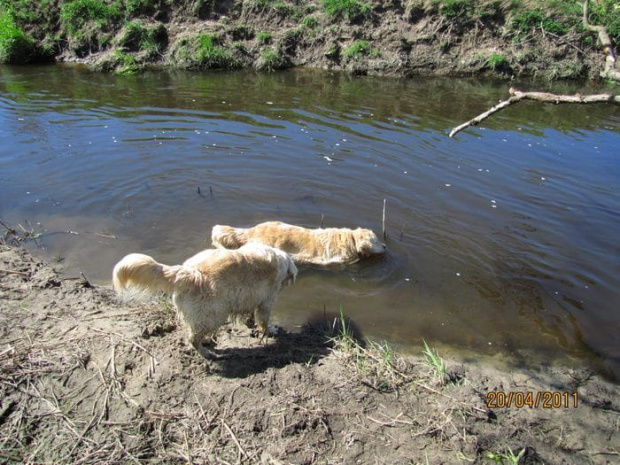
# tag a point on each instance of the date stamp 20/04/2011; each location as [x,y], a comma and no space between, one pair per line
[531,399]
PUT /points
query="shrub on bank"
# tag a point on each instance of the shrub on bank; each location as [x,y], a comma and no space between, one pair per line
[15,45]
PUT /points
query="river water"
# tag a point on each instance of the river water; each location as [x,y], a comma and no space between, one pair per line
[503,242]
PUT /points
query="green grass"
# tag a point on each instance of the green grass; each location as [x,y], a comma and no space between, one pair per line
[311,22]
[497,61]
[279,7]
[452,9]
[272,60]
[353,10]
[361,49]
[376,363]
[128,64]
[435,362]
[137,37]
[211,55]
[526,21]
[508,458]
[140,7]
[75,14]
[264,38]
[15,45]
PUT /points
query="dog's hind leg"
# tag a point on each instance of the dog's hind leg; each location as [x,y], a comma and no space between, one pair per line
[263,314]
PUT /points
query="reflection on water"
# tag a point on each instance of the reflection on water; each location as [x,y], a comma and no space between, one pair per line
[501,241]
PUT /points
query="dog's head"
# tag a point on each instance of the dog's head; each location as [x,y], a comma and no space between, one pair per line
[367,243]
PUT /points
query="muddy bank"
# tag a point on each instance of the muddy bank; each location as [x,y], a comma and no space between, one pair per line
[417,37]
[85,379]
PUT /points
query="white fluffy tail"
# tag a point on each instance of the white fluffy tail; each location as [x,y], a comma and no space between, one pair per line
[142,272]
[227,237]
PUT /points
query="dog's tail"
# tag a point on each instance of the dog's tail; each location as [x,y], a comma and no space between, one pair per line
[227,237]
[142,272]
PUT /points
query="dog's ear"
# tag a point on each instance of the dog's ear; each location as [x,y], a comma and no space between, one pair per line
[363,246]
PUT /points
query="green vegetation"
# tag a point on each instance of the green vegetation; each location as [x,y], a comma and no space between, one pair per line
[141,7]
[264,38]
[311,22]
[333,53]
[137,37]
[497,61]
[361,49]
[32,30]
[509,457]
[272,60]
[376,363]
[279,7]
[127,63]
[526,21]
[455,8]
[352,10]
[76,14]
[607,13]
[211,55]
[15,45]
[436,363]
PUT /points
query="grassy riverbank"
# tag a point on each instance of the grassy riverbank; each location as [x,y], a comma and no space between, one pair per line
[415,37]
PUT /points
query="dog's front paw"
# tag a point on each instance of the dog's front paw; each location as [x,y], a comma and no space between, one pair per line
[275,330]
[209,355]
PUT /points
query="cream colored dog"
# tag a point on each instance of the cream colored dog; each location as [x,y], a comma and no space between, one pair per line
[329,246]
[213,285]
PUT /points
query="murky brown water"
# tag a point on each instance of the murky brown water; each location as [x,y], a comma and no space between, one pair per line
[503,241]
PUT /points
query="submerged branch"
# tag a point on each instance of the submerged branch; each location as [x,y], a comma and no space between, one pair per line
[517,96]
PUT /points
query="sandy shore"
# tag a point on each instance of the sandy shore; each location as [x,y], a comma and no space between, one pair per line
[88,379]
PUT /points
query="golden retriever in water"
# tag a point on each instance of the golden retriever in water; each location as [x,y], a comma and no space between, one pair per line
[331,246]
[213,285]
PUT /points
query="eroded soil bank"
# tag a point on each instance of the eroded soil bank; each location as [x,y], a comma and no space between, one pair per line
[88,379]
[403,38]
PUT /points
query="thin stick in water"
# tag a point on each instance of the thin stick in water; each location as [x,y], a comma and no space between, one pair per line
[384,230]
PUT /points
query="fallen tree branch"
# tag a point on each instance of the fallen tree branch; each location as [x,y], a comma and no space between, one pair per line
[517,96]
[611,71]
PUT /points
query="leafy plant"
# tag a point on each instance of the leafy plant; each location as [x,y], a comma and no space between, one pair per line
[352,10]
[15,45]
[606,13]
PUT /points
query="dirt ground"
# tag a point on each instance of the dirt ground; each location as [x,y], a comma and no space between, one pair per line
[87,379]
